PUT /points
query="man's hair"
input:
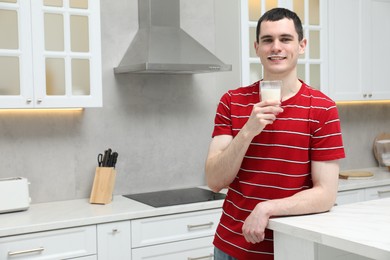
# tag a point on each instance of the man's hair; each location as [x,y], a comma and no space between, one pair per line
[277,14]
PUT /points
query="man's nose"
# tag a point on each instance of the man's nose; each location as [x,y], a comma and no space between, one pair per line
[276,45]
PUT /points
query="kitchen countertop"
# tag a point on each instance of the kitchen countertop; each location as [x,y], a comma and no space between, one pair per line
[72,213]
[361,228]
[381,177]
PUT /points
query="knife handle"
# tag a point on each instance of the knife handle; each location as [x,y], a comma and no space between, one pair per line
[114,159]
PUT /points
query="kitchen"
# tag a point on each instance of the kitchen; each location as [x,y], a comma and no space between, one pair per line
[159,124]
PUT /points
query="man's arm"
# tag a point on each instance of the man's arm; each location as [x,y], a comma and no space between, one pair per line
[321,197]
[226,154]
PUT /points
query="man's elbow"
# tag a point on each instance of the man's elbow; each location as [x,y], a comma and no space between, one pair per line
[329,202]
[213,184]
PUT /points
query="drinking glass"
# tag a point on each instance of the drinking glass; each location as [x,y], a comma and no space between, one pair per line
[270,90]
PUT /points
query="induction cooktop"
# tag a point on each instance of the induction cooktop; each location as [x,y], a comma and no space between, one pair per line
[176,197]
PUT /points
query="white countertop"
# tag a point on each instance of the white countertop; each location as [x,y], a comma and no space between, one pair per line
[381,177]
[72,213]
[362,228]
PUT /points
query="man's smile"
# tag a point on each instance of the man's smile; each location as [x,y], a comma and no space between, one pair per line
[276,57]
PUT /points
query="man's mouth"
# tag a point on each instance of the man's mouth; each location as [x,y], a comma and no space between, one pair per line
[276,57]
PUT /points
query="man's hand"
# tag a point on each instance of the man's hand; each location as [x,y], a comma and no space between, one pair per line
[255,224]
[263,114]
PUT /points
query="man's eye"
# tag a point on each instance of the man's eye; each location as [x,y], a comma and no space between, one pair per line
[285,40]
[267,40]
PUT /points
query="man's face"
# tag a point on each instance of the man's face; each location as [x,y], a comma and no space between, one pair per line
[279,47]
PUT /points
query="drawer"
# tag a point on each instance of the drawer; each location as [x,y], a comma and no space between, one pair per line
[350,196]
[56,244]
[378,192]
[164,229]
[193,249]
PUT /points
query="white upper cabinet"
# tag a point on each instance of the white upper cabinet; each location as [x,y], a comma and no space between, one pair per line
[358,40]
[50,54]
[312,66]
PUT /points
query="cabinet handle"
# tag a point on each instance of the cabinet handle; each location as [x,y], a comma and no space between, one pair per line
[189,227]
[364,95]
[114,230]
[370,95]
[28,251]
[39,100]
[28,101]
[382,192]
[201,257]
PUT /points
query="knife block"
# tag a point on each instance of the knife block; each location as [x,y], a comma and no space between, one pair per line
[103,185]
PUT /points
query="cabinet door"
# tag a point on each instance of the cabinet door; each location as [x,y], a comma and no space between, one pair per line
[347,45]
[350,196]
[378,32]
[16,86]
[50,54]
[176,227]
[357,68]
[67,53]
[193,249]
[377,192]
[57,244]
[114,241]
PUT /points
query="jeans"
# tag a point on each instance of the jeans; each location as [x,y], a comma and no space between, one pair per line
[220,255]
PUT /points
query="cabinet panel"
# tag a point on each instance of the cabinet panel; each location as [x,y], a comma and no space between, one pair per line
[57,244]
[380,23]
[199,249]
[157,230]
[350,196]
[357,68]
[345,70]
[50,54]
[377,192]
[114,241]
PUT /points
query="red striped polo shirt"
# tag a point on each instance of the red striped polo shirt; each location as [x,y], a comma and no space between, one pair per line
[277,162]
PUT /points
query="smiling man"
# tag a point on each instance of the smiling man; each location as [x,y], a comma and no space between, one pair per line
[277,158]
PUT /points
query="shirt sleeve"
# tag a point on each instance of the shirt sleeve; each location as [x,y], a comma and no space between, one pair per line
[327,143]
[223,121]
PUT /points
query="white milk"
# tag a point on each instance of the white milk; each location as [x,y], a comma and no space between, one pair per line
[270,94]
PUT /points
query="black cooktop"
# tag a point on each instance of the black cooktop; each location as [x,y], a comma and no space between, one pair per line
[175,197]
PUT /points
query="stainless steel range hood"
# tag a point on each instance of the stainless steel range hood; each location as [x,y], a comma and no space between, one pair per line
[161,46]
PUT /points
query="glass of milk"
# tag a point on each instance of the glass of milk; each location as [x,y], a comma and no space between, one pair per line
[270,90]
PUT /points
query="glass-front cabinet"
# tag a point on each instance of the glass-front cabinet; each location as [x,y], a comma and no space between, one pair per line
[311,65]
[50,54]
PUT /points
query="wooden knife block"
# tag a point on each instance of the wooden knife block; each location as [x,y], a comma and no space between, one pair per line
[103,185]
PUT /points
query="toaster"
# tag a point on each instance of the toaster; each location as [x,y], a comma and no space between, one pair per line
[14,194]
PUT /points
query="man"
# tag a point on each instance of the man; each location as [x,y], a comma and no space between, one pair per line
[278,158]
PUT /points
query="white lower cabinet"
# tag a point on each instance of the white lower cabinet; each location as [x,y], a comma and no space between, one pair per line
[351,196]
[377,192]
[114,241]
[71,243]
[177,236]
[193,249]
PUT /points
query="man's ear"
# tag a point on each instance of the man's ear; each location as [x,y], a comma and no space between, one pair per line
[256,46]
[302,46]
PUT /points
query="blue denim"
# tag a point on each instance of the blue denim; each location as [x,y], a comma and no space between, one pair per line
[220,255]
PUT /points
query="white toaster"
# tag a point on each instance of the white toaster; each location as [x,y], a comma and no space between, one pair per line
[14,194]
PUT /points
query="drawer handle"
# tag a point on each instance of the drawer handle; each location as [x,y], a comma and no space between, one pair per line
[381,192]
[29,251]
[189,227]
[201,257]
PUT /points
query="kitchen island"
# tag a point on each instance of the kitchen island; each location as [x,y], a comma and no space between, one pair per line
[350,232]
